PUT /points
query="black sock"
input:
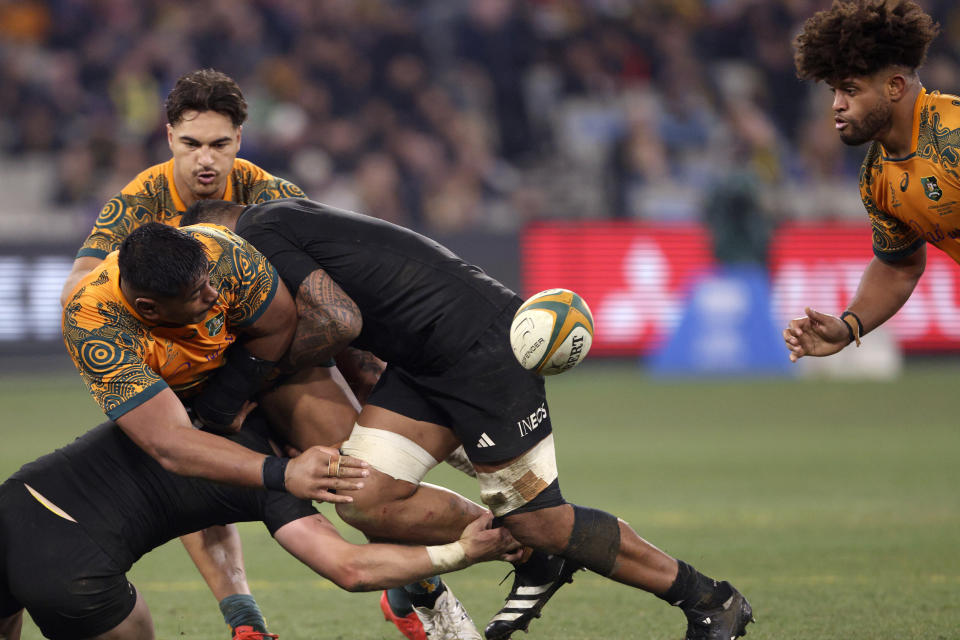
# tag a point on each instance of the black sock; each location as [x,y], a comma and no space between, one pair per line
[241,609]
[424,593]
[693,590]
[399,601]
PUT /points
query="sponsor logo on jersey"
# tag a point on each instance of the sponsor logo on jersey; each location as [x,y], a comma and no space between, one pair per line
[215,324]
[931,188]
[904,182]
[894,201]
[532,421]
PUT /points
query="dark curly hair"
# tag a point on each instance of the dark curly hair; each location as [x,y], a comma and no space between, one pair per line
[859,37]
[206,90]
[161,260]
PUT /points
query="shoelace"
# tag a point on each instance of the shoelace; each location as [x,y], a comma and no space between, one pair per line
[509,573]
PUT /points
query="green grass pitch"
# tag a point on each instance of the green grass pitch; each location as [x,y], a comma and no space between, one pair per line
[834,506]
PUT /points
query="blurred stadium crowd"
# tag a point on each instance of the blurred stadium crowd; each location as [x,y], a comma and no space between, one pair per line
[450,115]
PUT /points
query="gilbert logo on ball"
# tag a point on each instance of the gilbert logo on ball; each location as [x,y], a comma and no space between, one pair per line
[552,331]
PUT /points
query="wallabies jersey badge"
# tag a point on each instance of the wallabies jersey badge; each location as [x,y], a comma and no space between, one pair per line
[215,324]
[931,188]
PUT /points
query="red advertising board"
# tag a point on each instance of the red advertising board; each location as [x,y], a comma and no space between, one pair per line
[819,265]
[636,276]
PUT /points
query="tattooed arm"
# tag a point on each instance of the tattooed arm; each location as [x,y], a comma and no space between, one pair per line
[328,321]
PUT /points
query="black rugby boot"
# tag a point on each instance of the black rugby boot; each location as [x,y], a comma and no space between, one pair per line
[727,621]
[534,582]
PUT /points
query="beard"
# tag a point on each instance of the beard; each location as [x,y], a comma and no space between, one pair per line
[869,126]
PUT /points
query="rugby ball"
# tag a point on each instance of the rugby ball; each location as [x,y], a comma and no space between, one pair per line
[551,332]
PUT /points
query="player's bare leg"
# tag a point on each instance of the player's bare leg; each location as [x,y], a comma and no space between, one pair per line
[568,537]
[317,406]
[312,407]
[136,626]
[11,625]
[218,554]
[395,505]
[400,510]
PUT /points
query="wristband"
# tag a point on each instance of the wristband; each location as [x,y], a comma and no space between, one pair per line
[855,330]
[448,557]
[273,472]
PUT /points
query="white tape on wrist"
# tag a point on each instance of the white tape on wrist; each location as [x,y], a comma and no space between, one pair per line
[448,557]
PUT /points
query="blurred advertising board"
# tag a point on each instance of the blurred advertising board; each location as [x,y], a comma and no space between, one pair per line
[637,276]
[31,277]
[32,274]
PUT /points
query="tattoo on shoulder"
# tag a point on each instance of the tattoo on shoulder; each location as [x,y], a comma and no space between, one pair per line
[327,320]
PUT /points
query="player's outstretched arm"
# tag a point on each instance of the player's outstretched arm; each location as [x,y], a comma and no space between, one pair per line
[369,567]
[319,470]
[160,426]
[815,334]
[884,288]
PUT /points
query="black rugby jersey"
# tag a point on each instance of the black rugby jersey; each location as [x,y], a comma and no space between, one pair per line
[129,504]
[422,305]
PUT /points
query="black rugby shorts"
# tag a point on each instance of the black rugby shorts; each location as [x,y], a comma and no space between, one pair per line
[496,408]
[50,566]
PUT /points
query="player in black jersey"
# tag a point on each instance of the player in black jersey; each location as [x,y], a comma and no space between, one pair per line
[442,325]
[73,522]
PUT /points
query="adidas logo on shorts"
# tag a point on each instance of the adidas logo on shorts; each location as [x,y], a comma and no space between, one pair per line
[485,441]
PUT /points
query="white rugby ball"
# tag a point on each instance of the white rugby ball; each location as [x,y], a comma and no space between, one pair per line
[552,331]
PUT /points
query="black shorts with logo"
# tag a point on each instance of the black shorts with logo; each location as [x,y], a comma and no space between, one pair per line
[51,567]
[496,408]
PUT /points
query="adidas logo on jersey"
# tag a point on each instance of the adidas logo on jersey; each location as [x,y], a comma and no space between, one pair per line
[485,441]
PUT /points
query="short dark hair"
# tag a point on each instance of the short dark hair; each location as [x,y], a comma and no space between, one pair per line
[206,90]
[857,38]
[206,211]
[161,260]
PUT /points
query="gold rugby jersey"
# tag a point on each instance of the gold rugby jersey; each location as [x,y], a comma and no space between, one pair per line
[152,197]
[916,198]
[125,361]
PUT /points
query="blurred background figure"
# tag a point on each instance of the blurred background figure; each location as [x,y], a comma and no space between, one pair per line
[464,119]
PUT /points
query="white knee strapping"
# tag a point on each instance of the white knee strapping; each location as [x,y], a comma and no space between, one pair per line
[389,453]
[516,485]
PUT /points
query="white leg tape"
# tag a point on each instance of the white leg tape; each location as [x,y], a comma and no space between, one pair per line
[389,453]
[514,486]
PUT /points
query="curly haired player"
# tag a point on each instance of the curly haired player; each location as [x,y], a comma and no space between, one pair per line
[868,53]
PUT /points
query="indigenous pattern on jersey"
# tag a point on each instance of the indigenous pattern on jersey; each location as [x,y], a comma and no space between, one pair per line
[152,197]
[125,361]
[916,199]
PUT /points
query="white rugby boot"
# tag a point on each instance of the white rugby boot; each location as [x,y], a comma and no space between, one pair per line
[447,619]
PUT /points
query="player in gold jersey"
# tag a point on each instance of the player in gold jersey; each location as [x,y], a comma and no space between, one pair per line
[198,317]
[205,115]
[868,52]
[193,317]
[128,347]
